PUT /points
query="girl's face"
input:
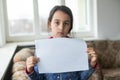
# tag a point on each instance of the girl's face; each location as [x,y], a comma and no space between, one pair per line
[60,24]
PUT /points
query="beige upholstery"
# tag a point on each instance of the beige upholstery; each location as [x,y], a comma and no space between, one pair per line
[108,59]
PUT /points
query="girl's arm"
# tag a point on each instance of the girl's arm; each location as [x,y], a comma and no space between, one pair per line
[32,68]
[35,74]
[84,75]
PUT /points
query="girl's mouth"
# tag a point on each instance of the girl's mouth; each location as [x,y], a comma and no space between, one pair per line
[61,33]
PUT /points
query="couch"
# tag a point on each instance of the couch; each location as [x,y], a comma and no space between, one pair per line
[108,61]
[108,58]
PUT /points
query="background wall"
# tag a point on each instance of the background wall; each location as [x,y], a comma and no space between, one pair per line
[108,19]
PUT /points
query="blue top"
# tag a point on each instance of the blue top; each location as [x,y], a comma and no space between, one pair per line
[77,75]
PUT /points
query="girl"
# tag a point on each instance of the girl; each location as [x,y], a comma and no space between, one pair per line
[60,22]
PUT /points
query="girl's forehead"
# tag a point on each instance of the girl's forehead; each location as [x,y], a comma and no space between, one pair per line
[61,15]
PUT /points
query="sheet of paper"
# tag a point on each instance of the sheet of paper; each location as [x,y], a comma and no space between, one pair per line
[61,55]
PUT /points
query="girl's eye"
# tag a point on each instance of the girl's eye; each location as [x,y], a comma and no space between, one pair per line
[66,23]
[57,23]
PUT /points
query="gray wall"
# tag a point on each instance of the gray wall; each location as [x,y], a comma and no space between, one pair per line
[108,19]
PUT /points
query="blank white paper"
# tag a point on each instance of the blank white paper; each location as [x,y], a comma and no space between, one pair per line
[59,55]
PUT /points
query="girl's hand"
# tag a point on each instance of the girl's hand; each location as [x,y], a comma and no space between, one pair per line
[92,56]
[30,63]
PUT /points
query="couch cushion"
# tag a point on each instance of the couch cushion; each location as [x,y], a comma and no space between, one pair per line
[117,62]
[20,75]
[23,54]
[106,56]
[114,49]
[18,66]
[111,74]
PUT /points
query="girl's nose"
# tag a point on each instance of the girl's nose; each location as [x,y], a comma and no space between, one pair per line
[61,26]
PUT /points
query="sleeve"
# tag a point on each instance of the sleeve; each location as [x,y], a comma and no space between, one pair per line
[84,75]
[35,75]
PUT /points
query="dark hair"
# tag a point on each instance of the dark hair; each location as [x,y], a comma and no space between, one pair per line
[66,10]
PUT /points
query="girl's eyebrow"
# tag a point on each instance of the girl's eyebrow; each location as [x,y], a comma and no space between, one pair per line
[59,20]
[56,20]
[67,21]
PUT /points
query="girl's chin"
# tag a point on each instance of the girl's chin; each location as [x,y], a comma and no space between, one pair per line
[59,36]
